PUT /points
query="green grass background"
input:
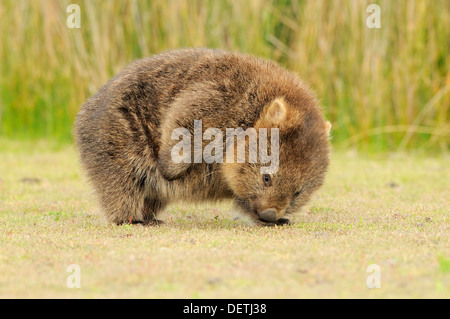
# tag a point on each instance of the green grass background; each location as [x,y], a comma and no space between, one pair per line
[382,89]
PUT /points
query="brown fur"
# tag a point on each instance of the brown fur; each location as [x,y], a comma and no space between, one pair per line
[123,134]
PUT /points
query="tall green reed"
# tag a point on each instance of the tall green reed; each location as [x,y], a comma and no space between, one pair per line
[384,88]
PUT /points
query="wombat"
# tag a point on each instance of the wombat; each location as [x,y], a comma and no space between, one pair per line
[126,141]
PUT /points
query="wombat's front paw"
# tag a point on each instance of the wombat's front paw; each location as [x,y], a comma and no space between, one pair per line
[279,222]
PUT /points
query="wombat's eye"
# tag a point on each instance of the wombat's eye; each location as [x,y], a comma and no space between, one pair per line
[267,180]
[297,194]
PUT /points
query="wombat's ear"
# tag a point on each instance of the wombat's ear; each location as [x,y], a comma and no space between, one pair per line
[273,114]
[328,127]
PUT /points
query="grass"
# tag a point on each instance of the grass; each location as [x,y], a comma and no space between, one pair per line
[383,89]
[387,209]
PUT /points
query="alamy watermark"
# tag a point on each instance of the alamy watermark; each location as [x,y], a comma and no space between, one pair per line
[374,19]
[214,150]
[74,19]
[374,279]
[74,279]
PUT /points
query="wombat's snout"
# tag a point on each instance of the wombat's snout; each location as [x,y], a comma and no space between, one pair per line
[269,215]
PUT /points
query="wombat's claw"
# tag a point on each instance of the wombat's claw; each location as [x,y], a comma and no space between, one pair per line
[283,221]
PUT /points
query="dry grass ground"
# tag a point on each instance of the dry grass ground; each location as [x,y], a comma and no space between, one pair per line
[389,210]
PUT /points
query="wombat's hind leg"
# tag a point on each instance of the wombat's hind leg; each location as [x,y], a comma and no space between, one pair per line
[151,209]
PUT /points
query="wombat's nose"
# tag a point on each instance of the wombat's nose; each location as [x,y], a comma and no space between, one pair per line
[269,215]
